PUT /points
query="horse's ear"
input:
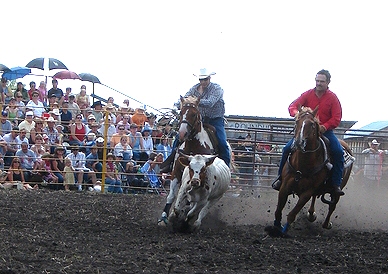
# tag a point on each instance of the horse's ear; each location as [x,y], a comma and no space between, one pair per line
[315,111]
[299,107]
[197,101]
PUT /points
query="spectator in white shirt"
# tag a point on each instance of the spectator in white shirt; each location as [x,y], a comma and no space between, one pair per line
[36,105]
[78,161]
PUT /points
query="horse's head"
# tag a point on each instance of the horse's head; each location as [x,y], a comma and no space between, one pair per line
[190,118]
[306,129]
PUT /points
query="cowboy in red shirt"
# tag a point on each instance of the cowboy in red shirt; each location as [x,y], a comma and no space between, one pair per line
[329,114]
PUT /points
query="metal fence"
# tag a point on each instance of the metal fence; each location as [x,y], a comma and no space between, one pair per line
[257,146]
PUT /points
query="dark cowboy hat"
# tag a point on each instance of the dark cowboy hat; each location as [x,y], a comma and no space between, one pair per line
[97,103]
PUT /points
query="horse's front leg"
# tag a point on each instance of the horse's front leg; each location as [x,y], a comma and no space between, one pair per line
[311,215]
[303,199]
[282,199]
[327,224]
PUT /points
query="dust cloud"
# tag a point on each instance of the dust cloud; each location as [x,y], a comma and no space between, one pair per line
[364,207]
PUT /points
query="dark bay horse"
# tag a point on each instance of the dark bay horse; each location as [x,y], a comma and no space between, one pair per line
[195,140]
[307,172]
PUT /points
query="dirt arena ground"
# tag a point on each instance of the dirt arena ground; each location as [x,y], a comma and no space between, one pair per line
[59,232]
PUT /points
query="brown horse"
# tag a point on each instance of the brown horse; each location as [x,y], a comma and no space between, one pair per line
[307,172]
[194,140]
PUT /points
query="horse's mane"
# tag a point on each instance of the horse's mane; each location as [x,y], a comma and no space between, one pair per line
[190,99]
[306,110]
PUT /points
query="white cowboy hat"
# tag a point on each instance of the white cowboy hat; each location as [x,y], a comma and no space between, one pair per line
[51,119]
[374,142]
[55,111]
[203,73]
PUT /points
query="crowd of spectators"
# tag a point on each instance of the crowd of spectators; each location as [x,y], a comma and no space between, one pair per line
[58,140]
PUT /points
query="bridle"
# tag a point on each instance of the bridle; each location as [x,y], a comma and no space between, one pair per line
[302,149]
[192,127]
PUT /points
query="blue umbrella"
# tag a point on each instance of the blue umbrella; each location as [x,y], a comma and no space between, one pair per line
[16,72]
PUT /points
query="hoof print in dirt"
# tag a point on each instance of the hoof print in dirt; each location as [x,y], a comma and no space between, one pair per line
[179,225]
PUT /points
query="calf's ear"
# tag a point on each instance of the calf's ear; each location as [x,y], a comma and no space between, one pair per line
[210,159]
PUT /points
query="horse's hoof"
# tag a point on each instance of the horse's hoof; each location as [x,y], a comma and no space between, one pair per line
[311,217]
[328,226]
[163,220]
[276,232]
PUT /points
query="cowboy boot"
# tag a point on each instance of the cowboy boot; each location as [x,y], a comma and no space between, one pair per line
[277,183]
[338,191]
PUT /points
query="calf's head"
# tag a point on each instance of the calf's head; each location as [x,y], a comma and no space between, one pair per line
[197,165]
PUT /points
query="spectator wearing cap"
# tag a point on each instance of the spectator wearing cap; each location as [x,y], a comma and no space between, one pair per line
[77,131]
[93,162]
[12,145]
[111,128]
[73,106]
[56,114]
[55,91]
[66,117]
[28,123]
[91,119]
[78,161]
[111,111]
[20,88]
[100,142]
[28,160]
[136,142]
[94,129]
[147,139]
[83,101]
[52,134]
[6,125]
[97,110]
[90,141]
[43,92]
[5,91]
[374,158]
[36,105]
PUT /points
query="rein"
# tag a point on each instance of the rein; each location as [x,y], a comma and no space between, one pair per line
[312,172]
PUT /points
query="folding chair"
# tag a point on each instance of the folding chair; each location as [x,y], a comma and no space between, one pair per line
[154,183]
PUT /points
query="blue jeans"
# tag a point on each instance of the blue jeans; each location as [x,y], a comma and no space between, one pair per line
[114,185]
[336,151]
[60,177]
[223,147]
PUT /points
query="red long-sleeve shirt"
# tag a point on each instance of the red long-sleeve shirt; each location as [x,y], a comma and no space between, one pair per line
[329,111]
